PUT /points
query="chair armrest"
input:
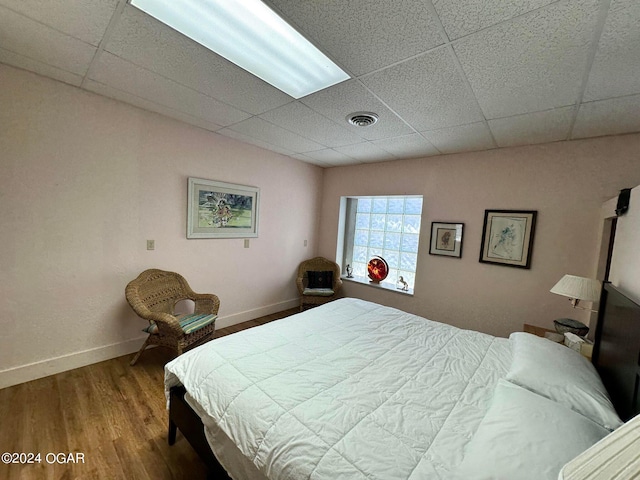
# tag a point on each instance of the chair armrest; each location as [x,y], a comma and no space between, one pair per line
[206,303]
[300,285]
[167,324]
[337,284]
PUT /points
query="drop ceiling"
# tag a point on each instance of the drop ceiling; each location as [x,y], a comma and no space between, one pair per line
[444,76]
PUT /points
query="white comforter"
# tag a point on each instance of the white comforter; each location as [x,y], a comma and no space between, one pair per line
[349,390]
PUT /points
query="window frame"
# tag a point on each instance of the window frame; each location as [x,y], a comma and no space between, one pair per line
[346,235]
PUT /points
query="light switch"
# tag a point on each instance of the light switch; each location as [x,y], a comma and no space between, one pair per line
[305,243]
[246,243]
[151,244]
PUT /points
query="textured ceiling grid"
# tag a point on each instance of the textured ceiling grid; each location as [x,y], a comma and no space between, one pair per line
[444,76]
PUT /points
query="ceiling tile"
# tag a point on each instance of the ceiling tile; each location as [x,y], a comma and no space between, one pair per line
[616,67]
[26,63]
[366,152]
[86,20]
[227,132]
[532,128]
[148,43]
[413,145]
[364,35]
[512,74]
[345,163]
[33,40]
[330,157]
[300,119]
[267,132]
[462,17]
[533,63]
[339,101]
[305,158]
[125,76]
[608,117]
[428,92]
[131,99]
[463,138]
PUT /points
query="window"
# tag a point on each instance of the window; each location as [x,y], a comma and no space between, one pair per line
[384,226]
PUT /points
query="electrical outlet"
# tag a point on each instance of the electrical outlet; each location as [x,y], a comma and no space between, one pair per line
[151,244]
[305,243]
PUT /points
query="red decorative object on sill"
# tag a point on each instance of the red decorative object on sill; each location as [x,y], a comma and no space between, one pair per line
[378,269]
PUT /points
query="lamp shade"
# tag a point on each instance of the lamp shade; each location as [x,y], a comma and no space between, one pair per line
[613,457]
[579,288]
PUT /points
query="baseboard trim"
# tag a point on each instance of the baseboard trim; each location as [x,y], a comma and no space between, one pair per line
[247,315]
[33,371]
[44,368]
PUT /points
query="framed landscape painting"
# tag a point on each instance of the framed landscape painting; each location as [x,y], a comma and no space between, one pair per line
[446,239]
[221,210]
[507,237]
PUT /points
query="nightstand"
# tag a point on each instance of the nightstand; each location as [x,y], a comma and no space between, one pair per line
[586,349]
[539,331]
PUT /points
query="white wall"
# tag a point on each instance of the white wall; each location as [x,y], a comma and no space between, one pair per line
[566,182]
[625,261]
[84,182]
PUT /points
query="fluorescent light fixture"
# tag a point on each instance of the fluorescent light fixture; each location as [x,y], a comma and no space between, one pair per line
[254,37]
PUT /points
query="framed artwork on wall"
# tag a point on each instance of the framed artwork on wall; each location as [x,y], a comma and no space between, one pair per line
[446,239]
[221,210]
[507,237]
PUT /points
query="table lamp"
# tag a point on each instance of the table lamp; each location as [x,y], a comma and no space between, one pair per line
[577,289]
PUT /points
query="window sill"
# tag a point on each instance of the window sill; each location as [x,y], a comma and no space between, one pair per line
[366,281]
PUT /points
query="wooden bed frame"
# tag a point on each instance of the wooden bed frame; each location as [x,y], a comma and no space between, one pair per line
[616,353]
[616,356]
[182,417]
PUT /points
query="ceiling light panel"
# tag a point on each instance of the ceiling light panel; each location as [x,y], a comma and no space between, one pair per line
[254,37]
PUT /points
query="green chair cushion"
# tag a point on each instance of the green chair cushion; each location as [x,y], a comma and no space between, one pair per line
[189,323]
[318,292]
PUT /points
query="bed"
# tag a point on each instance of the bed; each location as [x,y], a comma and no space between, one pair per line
[356,390]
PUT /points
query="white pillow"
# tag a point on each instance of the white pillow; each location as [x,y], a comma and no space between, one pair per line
[562,375]
[525,436]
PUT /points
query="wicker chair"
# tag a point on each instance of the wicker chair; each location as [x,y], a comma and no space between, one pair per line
[310,294]
[153,296]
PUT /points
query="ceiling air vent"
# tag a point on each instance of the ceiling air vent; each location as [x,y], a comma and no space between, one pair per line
[362,119]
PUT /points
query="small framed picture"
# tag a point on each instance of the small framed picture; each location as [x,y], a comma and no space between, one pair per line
[507,237]
[446,239]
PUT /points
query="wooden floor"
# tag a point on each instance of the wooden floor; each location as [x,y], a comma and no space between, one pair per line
[111,414]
